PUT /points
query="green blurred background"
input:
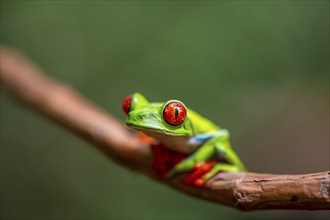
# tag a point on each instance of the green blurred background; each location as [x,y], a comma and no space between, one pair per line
[258,68]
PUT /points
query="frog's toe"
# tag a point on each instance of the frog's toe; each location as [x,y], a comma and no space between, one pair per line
[203,179]
[199,182]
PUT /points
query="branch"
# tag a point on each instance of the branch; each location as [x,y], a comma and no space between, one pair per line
[245,191]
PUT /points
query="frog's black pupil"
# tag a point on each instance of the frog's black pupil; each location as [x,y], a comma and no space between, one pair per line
[176,113]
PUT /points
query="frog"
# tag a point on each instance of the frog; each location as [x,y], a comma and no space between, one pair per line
[181,129]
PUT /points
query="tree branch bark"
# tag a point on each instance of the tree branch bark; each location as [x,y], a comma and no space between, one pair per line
[244,191]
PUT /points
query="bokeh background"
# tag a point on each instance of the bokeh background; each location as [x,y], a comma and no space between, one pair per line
[258,68]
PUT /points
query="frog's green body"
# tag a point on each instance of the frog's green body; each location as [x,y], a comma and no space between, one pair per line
[182,130]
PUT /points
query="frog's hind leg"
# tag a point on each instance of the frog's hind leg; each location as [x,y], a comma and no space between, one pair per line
[234,163]
[224,150]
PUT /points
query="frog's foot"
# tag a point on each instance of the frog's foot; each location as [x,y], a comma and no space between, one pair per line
[216,169]
[200,169]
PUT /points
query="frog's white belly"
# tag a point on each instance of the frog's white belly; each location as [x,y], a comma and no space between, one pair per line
[176,143]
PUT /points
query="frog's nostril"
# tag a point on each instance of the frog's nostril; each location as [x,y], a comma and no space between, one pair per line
[142,116]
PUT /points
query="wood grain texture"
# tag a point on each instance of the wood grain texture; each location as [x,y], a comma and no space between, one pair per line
[244,191]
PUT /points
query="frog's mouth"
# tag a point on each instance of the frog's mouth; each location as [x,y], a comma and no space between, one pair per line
[153,131]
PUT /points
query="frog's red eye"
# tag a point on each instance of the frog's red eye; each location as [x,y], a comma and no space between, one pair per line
[127,104]
[174,113]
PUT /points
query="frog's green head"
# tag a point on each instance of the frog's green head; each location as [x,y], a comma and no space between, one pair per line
[156,119]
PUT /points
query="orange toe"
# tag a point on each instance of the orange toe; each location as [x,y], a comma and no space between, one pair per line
[199,182]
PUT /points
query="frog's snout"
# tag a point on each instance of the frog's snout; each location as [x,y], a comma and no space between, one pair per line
[140,118]
[144,116]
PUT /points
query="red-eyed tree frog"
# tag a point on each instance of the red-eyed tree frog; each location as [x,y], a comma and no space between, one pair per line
[184,131]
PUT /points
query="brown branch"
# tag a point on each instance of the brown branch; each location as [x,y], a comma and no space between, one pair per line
[245,191]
